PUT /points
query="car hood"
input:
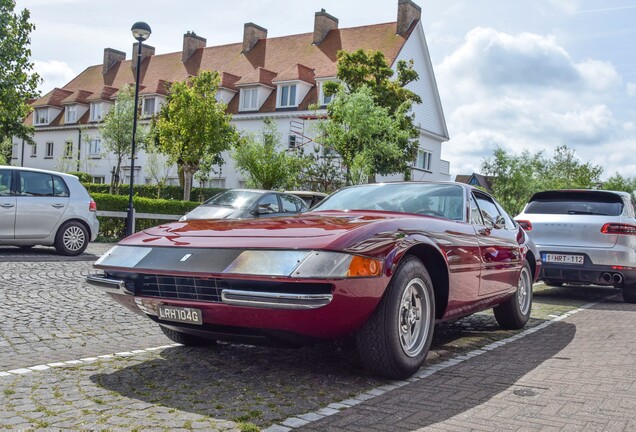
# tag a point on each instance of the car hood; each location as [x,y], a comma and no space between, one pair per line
[211,212]
[302,226]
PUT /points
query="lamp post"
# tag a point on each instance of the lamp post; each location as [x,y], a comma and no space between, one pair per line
[141,31]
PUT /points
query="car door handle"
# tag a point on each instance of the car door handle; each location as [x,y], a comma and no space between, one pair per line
[6,205]
[57,205]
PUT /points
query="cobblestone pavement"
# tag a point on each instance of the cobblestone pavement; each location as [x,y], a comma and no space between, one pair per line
[57,368]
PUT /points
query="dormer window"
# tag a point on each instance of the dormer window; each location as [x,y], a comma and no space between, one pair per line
[149,107]
[71,114]
[287,96]
[324,99]
[96,111]
[249,99]
[42,116]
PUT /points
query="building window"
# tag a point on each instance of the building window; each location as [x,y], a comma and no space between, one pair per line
[287,96]
[71,114]
[95,147]
[324,99]
[242,184]
[68,149]
[42,116]
[423,160]
[249,99]
[99,179]
[217,183]
[293,141]
[49,150]
[149,107]
[34,150]
[96,111]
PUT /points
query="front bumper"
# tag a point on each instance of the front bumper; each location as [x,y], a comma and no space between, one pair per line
[330,313]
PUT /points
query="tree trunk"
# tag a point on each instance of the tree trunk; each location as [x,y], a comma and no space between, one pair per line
[188,173]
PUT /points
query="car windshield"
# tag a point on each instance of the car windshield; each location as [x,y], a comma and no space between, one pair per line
[233,198]
[444,200]
[575,203]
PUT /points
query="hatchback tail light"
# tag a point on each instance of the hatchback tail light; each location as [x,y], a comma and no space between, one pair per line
[618,228]
[525,224]
[92,206]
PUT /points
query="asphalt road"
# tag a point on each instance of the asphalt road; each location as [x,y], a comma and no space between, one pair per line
[70,357]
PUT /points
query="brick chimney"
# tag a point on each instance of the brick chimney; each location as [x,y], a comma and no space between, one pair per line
[146,51]
[191,43]
[251,35]
[112,57]
[408,12]
[323,24]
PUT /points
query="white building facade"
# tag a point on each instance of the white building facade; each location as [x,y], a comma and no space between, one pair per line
[277,78]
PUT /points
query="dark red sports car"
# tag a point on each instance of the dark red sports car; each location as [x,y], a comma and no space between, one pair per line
[382,261]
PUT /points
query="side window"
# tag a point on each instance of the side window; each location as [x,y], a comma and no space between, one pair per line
[59,187]
[268,204]
[5,182]
[292,204]
[488,209]
[510,224]
[475,216]
[36,184]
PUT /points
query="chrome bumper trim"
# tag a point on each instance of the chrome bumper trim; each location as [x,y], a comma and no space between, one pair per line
[271,300]
[113,286]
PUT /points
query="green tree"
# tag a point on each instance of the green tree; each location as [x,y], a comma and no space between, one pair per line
[365,135]
[517,177]
[620,183]
[369,69]
[265,163]
[323,171]
[193,125]
[6,149]
[18,82]
[116,131]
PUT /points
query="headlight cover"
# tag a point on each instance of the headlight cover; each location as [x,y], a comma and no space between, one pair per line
[285,263]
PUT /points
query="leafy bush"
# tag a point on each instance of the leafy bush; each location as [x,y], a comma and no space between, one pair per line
[153,191]
[82,176]
[114,228]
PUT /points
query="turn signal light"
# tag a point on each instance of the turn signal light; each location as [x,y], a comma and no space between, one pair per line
[525,224]
[362,266]
[618,228]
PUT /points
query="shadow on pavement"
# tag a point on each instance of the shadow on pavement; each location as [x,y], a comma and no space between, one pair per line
[39,254]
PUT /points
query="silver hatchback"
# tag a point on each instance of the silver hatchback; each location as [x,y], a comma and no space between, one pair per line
[584,237]
[39,207]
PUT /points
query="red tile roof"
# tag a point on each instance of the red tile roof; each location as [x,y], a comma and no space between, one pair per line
[269,58]
[229,81]
[105,94]
[297,72]
[53,98]
[78,96]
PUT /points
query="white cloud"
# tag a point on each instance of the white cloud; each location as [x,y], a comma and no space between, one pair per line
[54,73]
[631,89]
[524,92]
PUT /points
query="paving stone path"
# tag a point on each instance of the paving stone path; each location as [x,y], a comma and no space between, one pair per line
[70,357]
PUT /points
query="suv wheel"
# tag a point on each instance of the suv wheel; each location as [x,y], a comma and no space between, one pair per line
[71,239]
[629,293]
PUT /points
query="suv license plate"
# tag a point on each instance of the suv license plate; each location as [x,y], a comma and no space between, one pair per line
[564,259]
[180,314]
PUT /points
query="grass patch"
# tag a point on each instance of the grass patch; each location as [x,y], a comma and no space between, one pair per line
[9,392]
[248,427]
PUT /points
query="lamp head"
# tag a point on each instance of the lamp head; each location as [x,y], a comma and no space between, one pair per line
[141,31]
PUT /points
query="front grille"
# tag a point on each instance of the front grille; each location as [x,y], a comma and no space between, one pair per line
[209,289]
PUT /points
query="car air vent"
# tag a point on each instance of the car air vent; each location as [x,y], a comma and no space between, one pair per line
[209,290]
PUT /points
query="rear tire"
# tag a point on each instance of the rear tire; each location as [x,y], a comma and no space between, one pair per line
[186,339]
[515,312]
[396,339]
[552,283]
[629,293]
[71,239]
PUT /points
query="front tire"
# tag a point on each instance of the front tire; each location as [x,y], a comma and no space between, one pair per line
[629,293]
[186,339]
[71,239]
[396,339]
[514,313]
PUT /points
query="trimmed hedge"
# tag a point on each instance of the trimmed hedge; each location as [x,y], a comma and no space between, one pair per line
[150,191]
[114,228]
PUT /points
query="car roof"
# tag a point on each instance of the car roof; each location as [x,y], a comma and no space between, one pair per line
[38,170]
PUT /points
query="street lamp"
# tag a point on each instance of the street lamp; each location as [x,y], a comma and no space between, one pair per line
[141,31]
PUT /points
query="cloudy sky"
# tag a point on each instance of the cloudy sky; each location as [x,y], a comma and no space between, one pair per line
[522,74]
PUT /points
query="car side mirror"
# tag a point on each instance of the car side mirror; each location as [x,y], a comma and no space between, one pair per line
[500,222]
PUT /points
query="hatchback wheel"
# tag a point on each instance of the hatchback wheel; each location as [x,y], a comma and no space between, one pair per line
[515,312]
[71,239]
[396,339]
